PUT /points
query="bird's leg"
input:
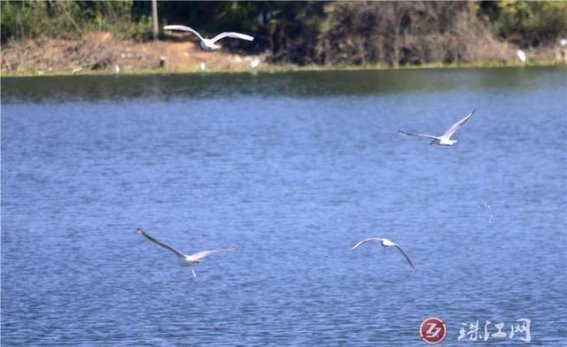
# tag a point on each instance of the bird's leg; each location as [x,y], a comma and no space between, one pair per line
[432,142]
[194,274]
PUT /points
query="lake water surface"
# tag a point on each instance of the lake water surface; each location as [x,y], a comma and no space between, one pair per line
[292,169]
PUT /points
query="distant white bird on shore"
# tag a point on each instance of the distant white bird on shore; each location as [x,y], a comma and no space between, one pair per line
[522,56]
[385,243]
[203,66]
[189,260]
[255,63]
[209,44]
[445,139]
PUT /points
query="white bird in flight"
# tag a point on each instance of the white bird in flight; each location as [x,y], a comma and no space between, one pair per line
[445,139]
[189,260]
[209,44]
[385,243]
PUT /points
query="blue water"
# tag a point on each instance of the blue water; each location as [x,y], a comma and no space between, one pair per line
[292,169]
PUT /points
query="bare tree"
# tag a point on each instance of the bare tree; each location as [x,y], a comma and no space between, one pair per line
[155,19]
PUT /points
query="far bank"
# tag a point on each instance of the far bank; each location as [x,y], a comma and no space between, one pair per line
[100,54]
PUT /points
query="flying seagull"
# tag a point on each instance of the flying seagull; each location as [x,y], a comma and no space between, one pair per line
[184,259]
[445,139]
[385,243]
[209,44]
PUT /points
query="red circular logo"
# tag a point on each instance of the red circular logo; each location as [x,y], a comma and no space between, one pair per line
[432,330]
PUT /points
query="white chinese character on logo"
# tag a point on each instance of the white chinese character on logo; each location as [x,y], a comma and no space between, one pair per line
[522,328]
[473,331]
[486,331]
[499,333]
[462,331]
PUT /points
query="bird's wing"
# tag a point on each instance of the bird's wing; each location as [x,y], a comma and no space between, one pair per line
[233,35]
[405,255]
[360,243]
[203,254]
[151,239]
[182,28]
[418,135]
[453,129]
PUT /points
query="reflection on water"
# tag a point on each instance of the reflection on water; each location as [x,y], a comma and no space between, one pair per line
[297,84]
[292,169]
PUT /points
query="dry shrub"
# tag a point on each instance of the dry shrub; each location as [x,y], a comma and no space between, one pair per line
[405,33]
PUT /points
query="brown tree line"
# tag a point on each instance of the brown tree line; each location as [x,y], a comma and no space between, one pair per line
[330,32]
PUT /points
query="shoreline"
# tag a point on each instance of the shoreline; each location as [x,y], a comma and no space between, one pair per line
[99,54]
[279,68]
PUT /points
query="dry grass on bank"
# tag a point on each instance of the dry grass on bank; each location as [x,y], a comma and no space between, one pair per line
[100,53]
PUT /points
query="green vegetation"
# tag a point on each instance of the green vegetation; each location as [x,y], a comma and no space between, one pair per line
[70,19]
[527,23]
[313,32]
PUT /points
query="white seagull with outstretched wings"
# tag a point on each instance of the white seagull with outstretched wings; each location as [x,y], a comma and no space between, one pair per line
[445,139]
[386,243]
[189,260]
[209,44]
